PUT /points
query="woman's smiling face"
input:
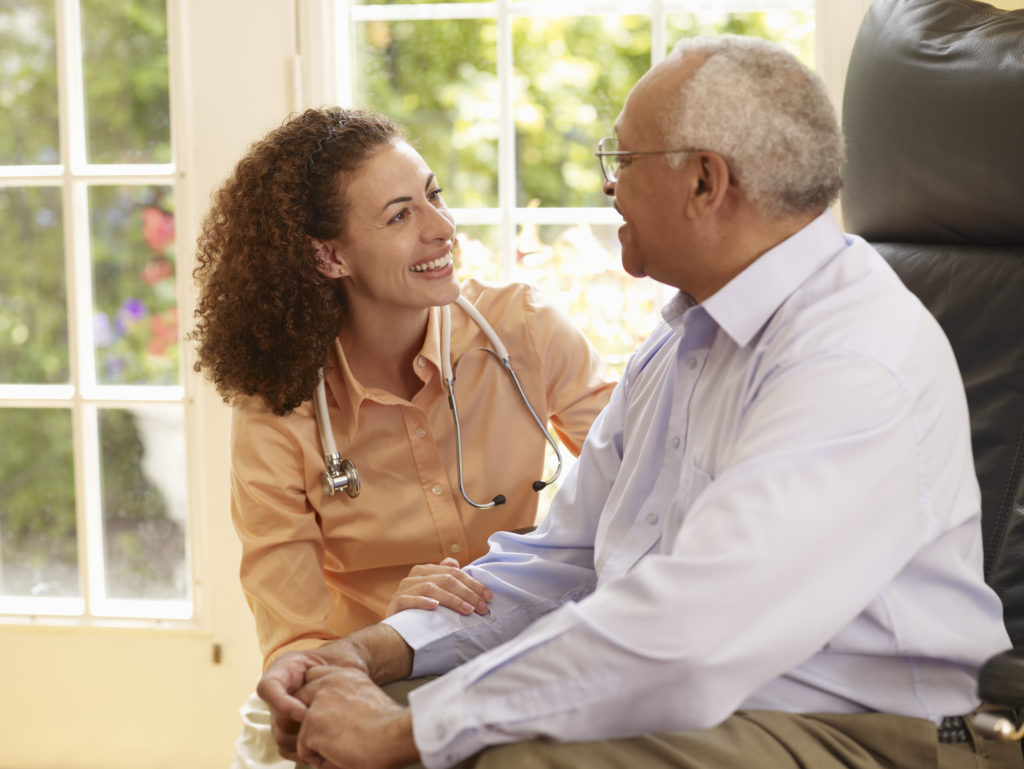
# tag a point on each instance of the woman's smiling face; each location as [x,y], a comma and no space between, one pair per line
[397,246]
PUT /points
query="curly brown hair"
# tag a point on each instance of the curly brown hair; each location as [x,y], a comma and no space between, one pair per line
[266,317]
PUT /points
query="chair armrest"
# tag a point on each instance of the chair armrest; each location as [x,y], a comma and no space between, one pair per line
[1001,684]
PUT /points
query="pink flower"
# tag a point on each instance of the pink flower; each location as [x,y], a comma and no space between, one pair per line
[159,268]
[164,330]
[157,228]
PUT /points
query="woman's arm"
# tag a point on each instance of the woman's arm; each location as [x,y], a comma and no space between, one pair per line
[282,545]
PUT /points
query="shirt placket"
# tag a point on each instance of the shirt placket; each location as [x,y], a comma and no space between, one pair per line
[437,490]
[649,525]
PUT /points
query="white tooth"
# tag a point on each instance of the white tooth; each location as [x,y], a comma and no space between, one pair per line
[432,265]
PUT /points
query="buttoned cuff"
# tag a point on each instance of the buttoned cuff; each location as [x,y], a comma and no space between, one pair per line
[444,729]
[420,628]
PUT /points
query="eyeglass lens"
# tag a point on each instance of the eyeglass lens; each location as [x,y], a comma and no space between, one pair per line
[610,163]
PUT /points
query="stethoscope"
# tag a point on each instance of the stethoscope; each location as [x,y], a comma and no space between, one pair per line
[341,474]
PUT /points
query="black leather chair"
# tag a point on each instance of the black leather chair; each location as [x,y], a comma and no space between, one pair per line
[933,113]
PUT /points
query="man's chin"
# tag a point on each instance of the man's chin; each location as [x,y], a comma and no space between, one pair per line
[633,269]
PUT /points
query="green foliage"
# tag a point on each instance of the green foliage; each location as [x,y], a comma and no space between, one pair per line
[38,545]
[570,78]
[131,247]
[143,547]
[124,60]
[29,128]
[33,314]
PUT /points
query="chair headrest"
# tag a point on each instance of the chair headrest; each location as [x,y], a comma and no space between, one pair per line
[933,114]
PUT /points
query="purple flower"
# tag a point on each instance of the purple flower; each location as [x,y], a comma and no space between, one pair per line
[133,309]
[102,332]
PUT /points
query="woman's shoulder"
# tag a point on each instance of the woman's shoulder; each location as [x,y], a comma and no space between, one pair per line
[505,300]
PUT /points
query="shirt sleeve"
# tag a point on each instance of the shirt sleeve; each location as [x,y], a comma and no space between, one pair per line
[282,546]
[531,574]
[681,639]
[576,382]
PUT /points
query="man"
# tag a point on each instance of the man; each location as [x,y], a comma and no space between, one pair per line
[769,551]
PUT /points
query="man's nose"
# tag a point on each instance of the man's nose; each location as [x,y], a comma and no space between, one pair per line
[608,188]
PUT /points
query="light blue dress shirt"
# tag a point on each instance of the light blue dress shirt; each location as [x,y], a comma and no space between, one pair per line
[777,509]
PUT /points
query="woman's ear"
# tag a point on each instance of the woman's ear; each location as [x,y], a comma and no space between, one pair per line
[329,261]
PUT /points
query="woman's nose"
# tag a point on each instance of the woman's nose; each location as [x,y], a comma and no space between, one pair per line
[441,226]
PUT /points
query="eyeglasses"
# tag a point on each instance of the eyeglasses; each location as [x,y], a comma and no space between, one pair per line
[609,154]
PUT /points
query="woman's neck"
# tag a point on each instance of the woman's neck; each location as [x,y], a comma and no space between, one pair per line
[380,350]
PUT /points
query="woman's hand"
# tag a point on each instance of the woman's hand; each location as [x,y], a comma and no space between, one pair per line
[445,584]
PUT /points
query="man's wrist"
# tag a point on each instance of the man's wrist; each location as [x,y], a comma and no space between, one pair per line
[403,740]
[384,653]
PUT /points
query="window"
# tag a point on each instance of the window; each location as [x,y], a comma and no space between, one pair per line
[93,491]
[507,101]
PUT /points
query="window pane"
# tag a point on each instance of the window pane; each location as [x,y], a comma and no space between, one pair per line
[408,2]
[33,314]
[572,76]
[477,254]
[792,29]
[438,79]
[38,537]
[124,62]
[142,453]
[136,310]
[580,268]
[28,88]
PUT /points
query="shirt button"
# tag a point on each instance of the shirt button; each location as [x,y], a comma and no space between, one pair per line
[421,361]
[437,489]
[421,433]
[675,442]
[652,518]
[454,547]
[692,363]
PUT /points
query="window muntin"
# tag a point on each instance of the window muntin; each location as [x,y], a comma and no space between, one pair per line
[93,483]
[507,101]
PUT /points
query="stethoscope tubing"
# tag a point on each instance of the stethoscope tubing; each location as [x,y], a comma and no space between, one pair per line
[341,474]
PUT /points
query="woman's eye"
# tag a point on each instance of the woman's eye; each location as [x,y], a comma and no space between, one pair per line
[401,215]
[436,194]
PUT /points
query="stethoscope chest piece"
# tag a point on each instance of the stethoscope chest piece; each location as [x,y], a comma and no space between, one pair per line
[340,475]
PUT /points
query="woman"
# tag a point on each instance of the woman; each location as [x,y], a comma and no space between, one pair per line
[330,247]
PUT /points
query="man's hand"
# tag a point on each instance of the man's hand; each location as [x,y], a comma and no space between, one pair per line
[440,584]
[375,654]
[277,688]
[351,723]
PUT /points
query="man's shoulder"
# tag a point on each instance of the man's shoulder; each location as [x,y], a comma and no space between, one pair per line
[855,306]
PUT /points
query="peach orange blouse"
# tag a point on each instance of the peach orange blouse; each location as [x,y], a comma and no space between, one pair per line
[315,567]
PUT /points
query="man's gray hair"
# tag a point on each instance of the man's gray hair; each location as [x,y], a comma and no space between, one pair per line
[769,116]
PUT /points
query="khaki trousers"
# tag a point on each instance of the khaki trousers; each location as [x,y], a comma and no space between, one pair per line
[760,739]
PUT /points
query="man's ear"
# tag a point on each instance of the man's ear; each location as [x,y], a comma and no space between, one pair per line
[329,261]
[710,184]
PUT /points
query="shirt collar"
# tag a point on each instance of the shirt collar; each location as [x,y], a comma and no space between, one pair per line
[743,306]
[349,393]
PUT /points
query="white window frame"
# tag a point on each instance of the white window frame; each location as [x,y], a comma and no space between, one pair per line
[324,74]
[84,397]
[329,74]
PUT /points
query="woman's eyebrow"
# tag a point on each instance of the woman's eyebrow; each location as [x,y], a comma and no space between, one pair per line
[406,199]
